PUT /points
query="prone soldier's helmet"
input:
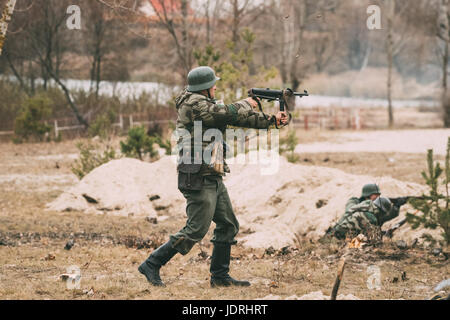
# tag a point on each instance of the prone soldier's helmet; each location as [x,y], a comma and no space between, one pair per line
[370,189]
[384,204]
[201,78]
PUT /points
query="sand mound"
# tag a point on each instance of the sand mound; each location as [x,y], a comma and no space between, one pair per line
[273,210]
[124,187]
[302,200]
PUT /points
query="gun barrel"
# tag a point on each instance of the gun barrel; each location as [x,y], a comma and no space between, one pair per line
[266,93]
[272,94]
[299,94]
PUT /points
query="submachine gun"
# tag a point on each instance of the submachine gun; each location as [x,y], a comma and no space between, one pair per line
[281,96]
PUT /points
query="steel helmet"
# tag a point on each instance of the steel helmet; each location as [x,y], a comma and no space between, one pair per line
[370,189]
[383,204]
[201,78]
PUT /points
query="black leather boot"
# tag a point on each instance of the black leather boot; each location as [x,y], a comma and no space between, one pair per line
[220,266]
[150,267]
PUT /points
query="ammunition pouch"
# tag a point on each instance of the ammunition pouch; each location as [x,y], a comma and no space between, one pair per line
[189,177]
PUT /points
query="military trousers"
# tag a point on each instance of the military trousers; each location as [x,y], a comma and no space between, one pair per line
[211,204]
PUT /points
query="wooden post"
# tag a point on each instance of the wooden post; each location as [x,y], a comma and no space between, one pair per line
[306,122]
[121,122]
[336,122]
[131,121]
[338,280]
[357,120]
[353,117]
[56,129]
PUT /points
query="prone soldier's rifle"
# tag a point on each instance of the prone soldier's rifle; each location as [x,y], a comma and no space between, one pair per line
[398,202]
[275,95]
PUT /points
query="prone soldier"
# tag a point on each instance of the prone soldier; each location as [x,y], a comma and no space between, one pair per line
[365,213]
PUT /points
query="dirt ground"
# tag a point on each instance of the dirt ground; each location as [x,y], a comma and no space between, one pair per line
[108,249]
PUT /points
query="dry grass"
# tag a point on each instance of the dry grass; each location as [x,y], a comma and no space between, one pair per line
[109,249]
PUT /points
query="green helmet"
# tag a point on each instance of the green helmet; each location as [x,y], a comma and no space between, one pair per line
[370,189]
[383,204]
[201,78]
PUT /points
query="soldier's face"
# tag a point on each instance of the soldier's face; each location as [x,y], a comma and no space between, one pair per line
[212,92]
[374,196]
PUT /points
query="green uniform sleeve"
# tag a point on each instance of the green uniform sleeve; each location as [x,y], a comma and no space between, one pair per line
[239,114]
[248,118]
[365,205]
[351,202]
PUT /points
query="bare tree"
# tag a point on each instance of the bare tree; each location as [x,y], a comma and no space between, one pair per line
[354,35]
[390,56]
[17,51]
[294,40]
[178,18]
[326,38]
[238,11]
[96,40]
[395,43]
[212,16]
[48,43]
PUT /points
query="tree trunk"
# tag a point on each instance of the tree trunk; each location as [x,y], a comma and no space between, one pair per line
[389,49]
[445,37]
[445,98]
[444,71]
[4,21]
[99,75]
[93,68]
[66,91]
[15,72]
[235,26]
[186,49]
[301,16]
[366,58]
[208,23]
[389,91]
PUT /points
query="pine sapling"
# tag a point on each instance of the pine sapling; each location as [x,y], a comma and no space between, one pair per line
[435,205]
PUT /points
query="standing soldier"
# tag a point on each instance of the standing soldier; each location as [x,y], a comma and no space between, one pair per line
[364,213]
[200,181]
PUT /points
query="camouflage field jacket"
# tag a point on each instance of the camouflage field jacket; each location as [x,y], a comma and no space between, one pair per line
[192,107]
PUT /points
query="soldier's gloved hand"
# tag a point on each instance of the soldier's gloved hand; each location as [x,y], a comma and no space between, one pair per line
[282,118]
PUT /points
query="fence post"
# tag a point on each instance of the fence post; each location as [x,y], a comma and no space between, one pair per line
[335,119]
[349,119]
[121,122]
[56,129]
[357,120]
[306,122]
[356,124]
[131,120]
